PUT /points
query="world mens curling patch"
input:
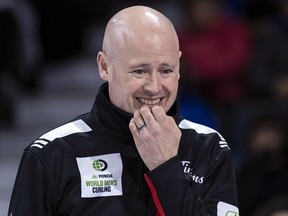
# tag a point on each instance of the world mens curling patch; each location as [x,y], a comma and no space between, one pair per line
[101,175]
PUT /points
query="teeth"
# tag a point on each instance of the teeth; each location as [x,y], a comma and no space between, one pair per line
[148,102]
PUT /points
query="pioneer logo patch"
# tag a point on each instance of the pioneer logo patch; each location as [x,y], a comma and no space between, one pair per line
[101,175]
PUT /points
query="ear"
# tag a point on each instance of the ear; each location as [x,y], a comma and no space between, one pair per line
[180,54]
[102,65]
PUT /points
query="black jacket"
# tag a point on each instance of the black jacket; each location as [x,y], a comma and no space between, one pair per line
[90,166]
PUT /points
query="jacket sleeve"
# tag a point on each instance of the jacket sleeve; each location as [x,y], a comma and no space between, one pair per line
[173,194]
[31,193]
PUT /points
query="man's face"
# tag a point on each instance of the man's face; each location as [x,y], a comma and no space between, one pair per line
[144,73]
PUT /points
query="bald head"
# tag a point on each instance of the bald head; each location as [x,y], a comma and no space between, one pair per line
[137,24]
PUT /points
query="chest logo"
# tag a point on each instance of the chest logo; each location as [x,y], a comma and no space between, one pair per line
[100,165]
[101,175]
[188,170]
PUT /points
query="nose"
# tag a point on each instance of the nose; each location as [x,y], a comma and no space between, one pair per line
[153,83]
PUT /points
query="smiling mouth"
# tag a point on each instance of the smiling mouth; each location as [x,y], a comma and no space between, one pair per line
[149,101]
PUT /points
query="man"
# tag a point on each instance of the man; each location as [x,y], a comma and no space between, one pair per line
[132,154]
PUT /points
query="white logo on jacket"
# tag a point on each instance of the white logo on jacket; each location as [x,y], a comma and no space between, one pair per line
[202,129]
[188,170]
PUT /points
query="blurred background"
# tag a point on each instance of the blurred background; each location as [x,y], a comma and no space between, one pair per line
[234,78]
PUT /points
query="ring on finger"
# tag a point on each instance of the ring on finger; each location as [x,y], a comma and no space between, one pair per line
[141,126]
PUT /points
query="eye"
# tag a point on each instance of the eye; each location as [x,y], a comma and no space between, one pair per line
[139,72]
[166,72]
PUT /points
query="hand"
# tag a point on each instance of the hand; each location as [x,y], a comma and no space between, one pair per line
[159,139]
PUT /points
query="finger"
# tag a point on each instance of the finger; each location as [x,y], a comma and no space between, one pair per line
[147,116]
[159,113]
[132,126]
[173,122]
[138,121]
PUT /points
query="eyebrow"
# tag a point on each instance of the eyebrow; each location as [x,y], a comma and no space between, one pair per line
[167,65]
[146,65]
[141,65]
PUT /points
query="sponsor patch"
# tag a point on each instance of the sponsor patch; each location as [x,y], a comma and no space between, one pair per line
[225,209]
[101,175]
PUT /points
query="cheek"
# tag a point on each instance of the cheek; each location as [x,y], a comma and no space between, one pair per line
[125,91]
[172,84]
